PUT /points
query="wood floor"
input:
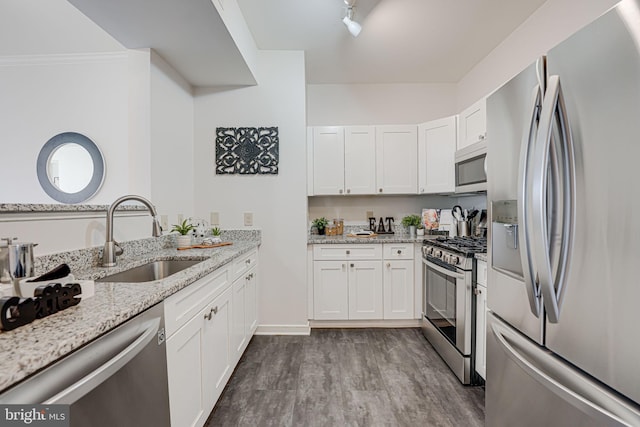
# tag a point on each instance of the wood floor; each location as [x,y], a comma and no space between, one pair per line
[346,377]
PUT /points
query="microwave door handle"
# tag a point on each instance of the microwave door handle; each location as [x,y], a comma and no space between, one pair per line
[524,218]
[553,285]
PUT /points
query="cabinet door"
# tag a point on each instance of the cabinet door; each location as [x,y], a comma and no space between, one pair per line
[217,351]
[360,160]
[398,289]
[436,156]
[396,159]
[185,369]
[330,290]
[472,124]
[365,290]
[239,328]
[328,160]
[481,331]
[251,303]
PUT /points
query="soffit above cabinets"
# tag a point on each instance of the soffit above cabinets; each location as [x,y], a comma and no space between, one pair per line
[190,35]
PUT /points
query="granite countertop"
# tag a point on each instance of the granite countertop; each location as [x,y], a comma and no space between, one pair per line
[31,347]
[481,257]
[314,239]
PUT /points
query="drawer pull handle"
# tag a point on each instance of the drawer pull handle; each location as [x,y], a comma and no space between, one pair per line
[399,252]
[388,265]
[351,265]
[348,252]
[248,261]
[214,310]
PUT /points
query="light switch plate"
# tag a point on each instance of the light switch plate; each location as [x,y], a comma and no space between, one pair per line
[214,218]
[248,219]
[164,222]
[180,218]
[369,215]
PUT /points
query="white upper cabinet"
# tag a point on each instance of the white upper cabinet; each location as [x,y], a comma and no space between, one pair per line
[359,160]
[472,124]
[436,156]
[396,163]
[328,160]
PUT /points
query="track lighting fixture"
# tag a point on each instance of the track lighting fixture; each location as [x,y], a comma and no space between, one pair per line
[353,27]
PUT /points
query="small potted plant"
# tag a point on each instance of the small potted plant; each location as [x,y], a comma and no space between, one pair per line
[183,229]
[420,229]
[320,224]
[215,232]
[412,221]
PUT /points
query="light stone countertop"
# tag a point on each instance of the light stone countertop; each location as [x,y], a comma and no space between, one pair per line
[31,347]
[381,238]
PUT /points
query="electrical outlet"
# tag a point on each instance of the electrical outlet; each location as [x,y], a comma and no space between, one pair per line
[214,218]
[180,218]
[369,215]
[164,222]
[248,219]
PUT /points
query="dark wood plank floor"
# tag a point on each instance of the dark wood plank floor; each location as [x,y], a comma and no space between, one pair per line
[346,377]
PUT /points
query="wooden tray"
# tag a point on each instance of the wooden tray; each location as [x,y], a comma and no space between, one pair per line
[362,237]
[216,245]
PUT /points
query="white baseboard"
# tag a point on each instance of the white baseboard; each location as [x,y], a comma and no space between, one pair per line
[283,330]
[408,323]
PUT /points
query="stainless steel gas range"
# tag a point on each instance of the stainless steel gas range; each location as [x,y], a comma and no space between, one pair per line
[448,309]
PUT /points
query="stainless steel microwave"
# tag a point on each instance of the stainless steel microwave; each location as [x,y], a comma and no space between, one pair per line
[471,168]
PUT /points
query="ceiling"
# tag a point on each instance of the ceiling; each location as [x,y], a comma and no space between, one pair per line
[402,41]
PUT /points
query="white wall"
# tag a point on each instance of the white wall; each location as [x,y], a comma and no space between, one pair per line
[553,22]
[354,208]
[378,104]
[278,202]
[43,96]
[172,154]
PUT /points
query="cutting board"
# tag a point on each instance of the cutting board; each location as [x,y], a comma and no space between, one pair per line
[216,245]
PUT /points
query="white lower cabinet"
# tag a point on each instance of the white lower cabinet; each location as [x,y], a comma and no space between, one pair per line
[398,280]
[481,319]
[398,289]
[365,290]
[358,283]
[330,290]
[199,362]
[209,324]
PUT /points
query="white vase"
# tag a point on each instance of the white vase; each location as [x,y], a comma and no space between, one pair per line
[184,240]
[412,231]
[420,231]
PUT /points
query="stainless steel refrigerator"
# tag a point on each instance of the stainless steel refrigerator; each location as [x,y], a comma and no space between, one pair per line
[563,331]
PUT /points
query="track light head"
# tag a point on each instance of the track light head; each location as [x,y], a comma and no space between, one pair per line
[353,27]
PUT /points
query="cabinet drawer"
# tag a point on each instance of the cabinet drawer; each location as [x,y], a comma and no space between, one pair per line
[180,307]
[243,264]
[340,252]
[397,250]
[482,273]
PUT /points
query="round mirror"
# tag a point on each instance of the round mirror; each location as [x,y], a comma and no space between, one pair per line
[70,168]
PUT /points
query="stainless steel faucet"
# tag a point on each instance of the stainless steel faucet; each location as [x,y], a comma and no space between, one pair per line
[110,252]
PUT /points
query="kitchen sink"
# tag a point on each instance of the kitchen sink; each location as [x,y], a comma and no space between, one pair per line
[155,270]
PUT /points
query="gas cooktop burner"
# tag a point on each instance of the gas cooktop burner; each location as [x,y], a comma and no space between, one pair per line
[456,247]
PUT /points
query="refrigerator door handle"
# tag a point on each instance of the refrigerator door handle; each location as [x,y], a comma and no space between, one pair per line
[552,282]
[524,219]
[568,383]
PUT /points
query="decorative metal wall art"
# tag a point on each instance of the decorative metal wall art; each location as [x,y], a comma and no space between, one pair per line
[247,151]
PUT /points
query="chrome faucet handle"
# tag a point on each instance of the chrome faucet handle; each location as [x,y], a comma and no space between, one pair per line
[119,250]
[9,239]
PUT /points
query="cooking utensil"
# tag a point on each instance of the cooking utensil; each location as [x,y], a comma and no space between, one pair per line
[456,211]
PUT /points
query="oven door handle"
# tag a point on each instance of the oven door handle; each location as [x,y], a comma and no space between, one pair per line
[459,276]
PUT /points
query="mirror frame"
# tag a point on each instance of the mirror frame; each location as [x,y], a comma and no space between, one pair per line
[98,167]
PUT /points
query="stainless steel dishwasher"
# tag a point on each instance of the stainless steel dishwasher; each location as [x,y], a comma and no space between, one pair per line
[120,379]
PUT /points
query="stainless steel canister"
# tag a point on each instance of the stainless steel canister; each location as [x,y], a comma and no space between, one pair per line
[16,261]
